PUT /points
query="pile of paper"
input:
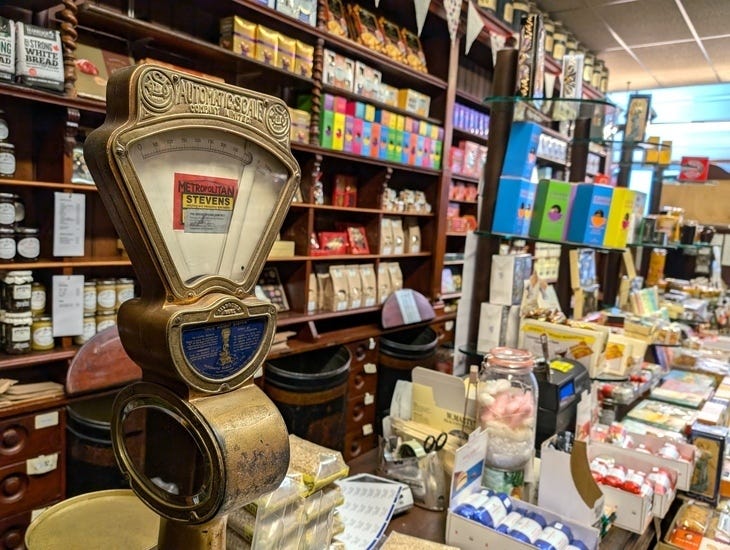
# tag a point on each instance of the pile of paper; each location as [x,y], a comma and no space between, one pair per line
[12,393]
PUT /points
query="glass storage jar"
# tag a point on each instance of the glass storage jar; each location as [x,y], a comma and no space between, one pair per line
[89,329]
[37,298]
[7,244]
[559,38]
[89,297]
[17,291]
[17,332]
[41,334]
[27,244]
[507,407]
[106,294]
[124,290]
[549,31]
[7,209]
[7,159]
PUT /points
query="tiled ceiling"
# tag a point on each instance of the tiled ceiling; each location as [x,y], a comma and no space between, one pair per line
[652,43]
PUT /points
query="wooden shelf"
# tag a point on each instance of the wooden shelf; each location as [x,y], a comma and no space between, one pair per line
[451,295]
[293,318]
[316,150]
[379,104]
[472,100]
[467,135]
[117,24]
[359,210]
[49,185]
[43,96]
[463,201]
[59,264]
[35,358]
[457,233]
[467,179]
[357,257]
[453,262]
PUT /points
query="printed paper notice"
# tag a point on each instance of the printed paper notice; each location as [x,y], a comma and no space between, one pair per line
[203,204]
[366,512]
[407,305]
[69,220]
[68,305]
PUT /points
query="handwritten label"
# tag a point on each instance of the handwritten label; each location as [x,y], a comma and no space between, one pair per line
[370,368]
[41,464]
[369,399]
[46,420]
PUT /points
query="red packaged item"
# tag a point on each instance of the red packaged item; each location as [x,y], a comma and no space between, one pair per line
[633,481]
[333,243]
[615,477]
[669,450]
[599,468]
[647,490]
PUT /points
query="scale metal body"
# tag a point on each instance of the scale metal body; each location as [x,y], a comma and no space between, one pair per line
[197,177]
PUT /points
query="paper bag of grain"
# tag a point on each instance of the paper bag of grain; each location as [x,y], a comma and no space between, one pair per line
[39,61]
[7,49]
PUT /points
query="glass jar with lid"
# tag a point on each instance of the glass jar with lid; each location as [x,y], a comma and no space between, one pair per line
[571,44]
[88,330]
[7,244]
[27,244]
[4,128]
[41,333]
[7,159]
[604,80]
[16,327]
[588,68]
[105,319]
[124,290]
[506,12]
[7,209]
[597,73]
[106,294]
[89,297]
[549,32]
[520,9]
[17,291]
[507,407]
[37,298]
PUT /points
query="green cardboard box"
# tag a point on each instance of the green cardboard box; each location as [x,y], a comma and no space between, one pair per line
[551,212]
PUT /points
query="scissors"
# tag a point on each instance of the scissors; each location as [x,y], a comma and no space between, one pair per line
[437,443]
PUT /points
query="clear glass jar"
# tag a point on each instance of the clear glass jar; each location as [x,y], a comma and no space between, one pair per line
[588,67]
[17,332]
[507,407]
[19,208]
[7,244]
[604,80]
[597,74]
[27,244]
[41,334]
[4,128]
[549,32]
[105,319]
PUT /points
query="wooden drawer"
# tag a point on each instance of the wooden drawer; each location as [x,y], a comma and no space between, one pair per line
[360,411]
[20,491]
[12,528]
[363,351]
[356,444]
[31,435]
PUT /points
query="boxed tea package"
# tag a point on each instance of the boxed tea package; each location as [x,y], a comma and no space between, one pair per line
[39,57]
[588,217]
[285,52]
[515,200]
[238,35]
[267,43]
[553,202]
[7,49]
[303,59]
[619,217]
[93,68]
[369,285]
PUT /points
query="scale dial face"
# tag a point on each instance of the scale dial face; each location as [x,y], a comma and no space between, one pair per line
[212,195]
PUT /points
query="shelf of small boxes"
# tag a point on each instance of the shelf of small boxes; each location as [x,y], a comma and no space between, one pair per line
[471,121]
[461,194]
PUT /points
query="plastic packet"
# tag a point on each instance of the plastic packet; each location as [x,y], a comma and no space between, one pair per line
[318,465]
[633,482]
[694,517]
[279,516]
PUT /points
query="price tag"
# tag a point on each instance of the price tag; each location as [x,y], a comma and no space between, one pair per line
[370,368]
[46,420]
[41,464]
[369,399]
[407,306]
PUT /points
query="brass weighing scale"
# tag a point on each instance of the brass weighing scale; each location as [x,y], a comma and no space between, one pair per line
[197,177]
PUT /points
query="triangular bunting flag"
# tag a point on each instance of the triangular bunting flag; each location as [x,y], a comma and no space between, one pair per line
[474,25]
[377,3]
[453,14]
[421,13]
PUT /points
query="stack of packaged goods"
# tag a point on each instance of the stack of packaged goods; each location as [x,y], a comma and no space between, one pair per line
[302,512]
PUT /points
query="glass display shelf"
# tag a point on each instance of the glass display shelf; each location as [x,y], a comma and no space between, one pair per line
[571,244]
[671,245]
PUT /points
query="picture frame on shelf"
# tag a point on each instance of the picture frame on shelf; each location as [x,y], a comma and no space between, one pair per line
[637,117]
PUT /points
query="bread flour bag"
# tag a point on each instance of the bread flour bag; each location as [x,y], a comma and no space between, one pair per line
[39,57]
[7,49]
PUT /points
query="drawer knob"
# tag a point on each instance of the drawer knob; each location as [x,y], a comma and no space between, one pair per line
[11,438]
[12,485]
[13,539]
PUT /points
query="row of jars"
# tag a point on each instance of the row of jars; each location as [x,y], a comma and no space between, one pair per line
[559,41]
[7,149]
[24,324]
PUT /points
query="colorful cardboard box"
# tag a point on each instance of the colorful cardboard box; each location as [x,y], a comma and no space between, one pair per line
[588,217]
[521,155]
[513,209]
[553,202]
[619,217]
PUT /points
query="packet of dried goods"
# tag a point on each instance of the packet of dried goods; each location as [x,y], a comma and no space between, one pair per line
[39,59]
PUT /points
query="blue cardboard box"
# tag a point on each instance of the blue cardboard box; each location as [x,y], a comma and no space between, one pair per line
[513,209]
[521,155]
[589,215]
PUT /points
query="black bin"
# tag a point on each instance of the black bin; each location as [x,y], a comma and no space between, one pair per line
[310,391]
[400,352]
